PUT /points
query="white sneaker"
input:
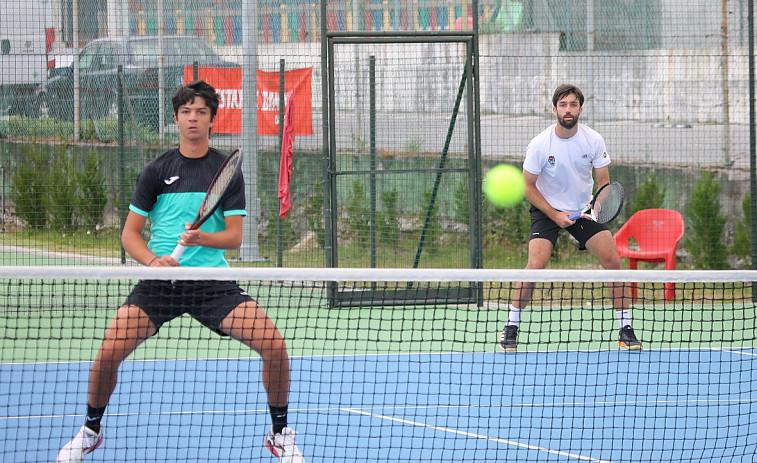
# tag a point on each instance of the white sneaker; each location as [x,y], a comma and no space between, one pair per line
[283,446]
[83,443]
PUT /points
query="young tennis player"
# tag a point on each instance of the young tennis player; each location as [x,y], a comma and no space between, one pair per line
[169,191]
[558,172]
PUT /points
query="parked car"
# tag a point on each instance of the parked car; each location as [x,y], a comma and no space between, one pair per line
[139,56]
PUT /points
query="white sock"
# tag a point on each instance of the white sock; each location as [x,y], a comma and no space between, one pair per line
[514,316]
[624,317]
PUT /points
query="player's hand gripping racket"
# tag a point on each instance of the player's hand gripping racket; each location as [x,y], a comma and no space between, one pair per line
[217,188]
[605,205]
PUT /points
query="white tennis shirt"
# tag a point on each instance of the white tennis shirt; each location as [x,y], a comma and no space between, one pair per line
[564,166]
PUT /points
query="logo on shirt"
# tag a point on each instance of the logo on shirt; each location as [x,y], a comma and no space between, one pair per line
[170,180]
[551,160]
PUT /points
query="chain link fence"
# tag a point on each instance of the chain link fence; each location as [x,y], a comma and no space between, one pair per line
[666,83]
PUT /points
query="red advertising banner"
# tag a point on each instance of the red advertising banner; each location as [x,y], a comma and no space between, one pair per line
[228,84]
[297,80]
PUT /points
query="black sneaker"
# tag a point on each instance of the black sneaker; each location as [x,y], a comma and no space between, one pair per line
[508,339]
[627,339]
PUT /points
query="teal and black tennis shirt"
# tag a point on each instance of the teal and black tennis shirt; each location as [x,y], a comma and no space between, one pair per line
[169,192]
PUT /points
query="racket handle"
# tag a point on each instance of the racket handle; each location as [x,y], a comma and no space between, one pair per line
[574,216]
[178,251]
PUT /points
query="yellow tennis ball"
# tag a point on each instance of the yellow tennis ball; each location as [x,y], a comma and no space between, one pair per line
[504,185]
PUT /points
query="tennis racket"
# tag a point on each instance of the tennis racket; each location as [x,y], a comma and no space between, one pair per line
[605,205]
[212,200]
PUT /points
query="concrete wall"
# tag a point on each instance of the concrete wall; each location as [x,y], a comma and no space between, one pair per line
[519,71]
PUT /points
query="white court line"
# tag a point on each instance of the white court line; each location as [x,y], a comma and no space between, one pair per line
[12,249]
[496,353]
[479,436]
[398,407]
[735,351]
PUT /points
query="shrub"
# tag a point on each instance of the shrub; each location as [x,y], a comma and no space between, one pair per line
[431,231]
[651,195]
[61,198]
[314,212]
[742,238]
[460,205]
[358,214]
[275,229]
[388,218]
[706,225]
[61,191]
[92,193]
[29,187]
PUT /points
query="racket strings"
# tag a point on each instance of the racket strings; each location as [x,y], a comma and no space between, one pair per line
[220,183]
[607,204]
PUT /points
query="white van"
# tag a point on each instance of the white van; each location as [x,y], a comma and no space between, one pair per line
[27,35]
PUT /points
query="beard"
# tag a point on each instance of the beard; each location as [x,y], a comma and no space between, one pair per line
[568,125]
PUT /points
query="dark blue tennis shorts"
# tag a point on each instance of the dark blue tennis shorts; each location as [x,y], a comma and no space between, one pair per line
[544,227]
[207,301]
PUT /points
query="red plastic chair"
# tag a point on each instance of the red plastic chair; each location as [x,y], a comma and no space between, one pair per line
[657,233]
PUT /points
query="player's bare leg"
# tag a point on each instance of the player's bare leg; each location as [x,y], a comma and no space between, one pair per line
[602,246]
[539,252]
[249,324]
[128,329]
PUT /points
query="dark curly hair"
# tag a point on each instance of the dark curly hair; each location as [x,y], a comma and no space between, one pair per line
[566,89]
[198,88]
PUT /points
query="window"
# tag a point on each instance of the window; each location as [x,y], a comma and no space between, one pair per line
[87,58]
[107,56]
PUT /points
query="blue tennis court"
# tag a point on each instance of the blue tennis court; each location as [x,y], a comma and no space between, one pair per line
[602,406]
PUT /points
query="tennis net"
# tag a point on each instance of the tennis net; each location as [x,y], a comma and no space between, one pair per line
[419,378]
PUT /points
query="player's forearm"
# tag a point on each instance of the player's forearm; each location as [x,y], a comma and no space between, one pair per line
[534,196]
[537,199]
[138,250]
[132,241]
[227,239]
[603,176]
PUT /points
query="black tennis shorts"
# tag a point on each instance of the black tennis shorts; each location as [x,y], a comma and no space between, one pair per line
[544,227]
[207,301]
